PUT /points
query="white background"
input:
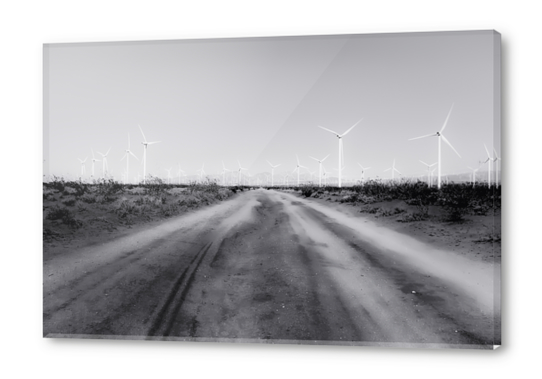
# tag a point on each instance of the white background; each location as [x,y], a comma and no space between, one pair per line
[24,27]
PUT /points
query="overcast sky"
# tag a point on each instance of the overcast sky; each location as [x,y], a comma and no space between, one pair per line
[258,99]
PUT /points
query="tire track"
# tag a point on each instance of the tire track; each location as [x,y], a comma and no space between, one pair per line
[165,318]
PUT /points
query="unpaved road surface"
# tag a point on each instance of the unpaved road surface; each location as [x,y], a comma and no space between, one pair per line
[271,266]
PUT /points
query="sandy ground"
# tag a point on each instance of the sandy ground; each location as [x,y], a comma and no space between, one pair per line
[268,266]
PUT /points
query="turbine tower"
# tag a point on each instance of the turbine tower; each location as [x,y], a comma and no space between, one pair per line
[201,172]
[93,160]
[145,145]
[320,161]
[239,170]
[393,169]
[428,171]
[341,152]
[440,136]
[83,166]
[105,167]
[488,160]
[473,175]
[273,167]
[363,172]
[168,175]
[127,154]
[180,172]
[297,168]
[497,166]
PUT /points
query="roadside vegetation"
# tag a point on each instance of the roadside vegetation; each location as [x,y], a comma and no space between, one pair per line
[73,208]
[412,199]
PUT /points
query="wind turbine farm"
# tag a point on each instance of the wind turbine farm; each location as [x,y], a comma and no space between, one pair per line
[245,221]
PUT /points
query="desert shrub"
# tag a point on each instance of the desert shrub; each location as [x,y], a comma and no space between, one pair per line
[168,210]
[106,189]
[49,194]
[88,198]
[126,208]
[307,191]
[69,191]
[456,202]
[64,215]
[154,186]
[421,213]
[70,202]
[57,183]
[81,207]
[370,210]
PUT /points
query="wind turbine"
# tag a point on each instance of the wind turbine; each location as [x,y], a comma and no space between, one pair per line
[496,160]
[393,169]
[127,154]
[473,175]
[440,136]
[273,167]
[201,172]
[363,172]
[145,144]
[488,160]
[240,169]
[180,172]
[428,171]
[320,161]
[83,166]
[168,175]
[105,167]
[297,168]
[224,170]
[93,160]
[341,152]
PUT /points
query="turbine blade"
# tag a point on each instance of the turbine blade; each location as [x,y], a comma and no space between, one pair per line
[314,158]
[144,139]
[387,169]
[428,135]
[325,158]
[348,131]
[487,151]
[331,131]
[425,163]
[108,151]
[297,158]
[133,155]
[449,144]
[445,122]
[124,156]
[152,143]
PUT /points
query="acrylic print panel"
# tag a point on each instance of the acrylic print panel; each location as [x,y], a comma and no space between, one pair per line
[313,190]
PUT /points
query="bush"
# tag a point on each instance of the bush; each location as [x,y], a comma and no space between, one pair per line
[307,191]
[64,215]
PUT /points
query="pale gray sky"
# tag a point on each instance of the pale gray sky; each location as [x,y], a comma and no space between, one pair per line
[258,99]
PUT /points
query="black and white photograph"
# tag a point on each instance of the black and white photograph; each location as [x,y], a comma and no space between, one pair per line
[323,190]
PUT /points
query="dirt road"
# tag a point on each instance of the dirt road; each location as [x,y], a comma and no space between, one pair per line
[270,266]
